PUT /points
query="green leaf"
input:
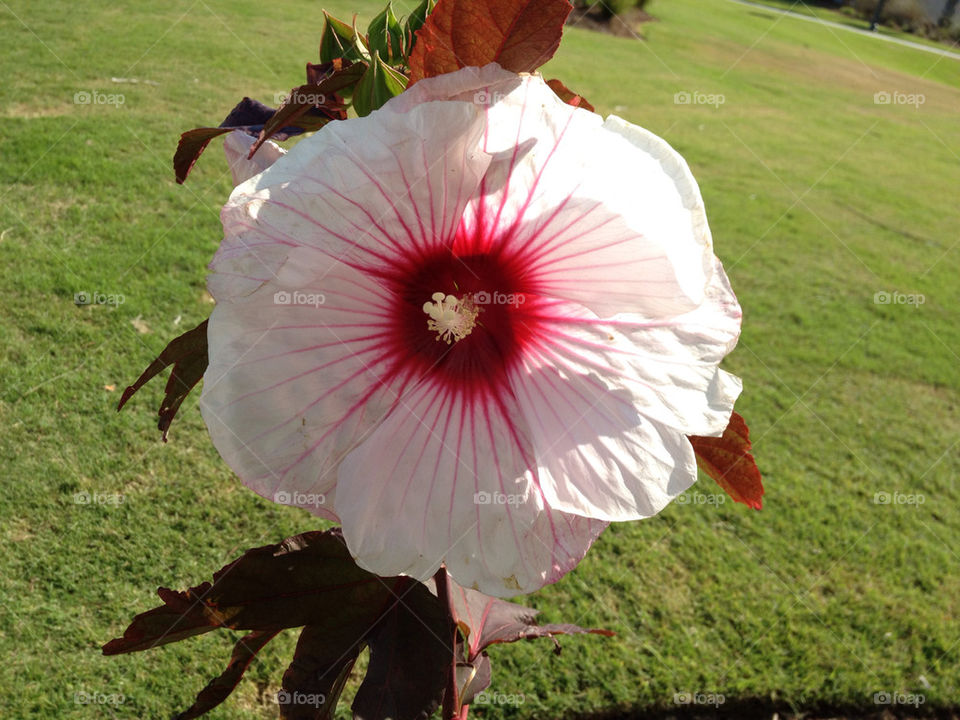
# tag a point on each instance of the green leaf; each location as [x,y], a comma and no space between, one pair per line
[385,35]
[413,23]
[419,16]
[341,41]
[379,83]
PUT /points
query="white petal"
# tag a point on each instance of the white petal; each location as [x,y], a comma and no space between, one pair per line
[237,146]
[676,168]
[610,403]
[617,225]
[480,86]
[669,366]
[597,456]
[449,480]
[296,378]
[600,220]
[367,191]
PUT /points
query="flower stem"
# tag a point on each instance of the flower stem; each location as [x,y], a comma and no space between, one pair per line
[451,710]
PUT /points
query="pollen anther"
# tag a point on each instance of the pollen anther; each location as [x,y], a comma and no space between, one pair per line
[452,318]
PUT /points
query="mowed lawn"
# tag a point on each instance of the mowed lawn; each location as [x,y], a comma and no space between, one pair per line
[824,201]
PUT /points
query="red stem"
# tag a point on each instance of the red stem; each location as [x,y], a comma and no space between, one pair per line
[451,701]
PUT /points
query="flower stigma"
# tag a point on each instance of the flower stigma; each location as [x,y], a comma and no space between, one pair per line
[452,318]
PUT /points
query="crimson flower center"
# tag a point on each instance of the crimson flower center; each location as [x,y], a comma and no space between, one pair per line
[465,318]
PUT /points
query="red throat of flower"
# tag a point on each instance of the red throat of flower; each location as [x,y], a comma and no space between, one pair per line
[463,319]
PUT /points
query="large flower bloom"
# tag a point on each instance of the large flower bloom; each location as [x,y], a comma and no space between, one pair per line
[474,327]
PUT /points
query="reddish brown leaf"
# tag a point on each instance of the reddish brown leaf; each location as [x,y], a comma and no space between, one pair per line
[410,660]
[316,74]
[191,146]
[181,616]
[309,579]
[220,688]
[487,621]
[521,35]
[320,669]
[312,106]
[248,115]
[188,355]
[569,96]
[472,677]
[727,460]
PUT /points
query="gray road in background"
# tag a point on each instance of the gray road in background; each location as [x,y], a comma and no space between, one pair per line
[886,38]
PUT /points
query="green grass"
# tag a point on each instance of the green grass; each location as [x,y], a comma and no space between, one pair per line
[818,199]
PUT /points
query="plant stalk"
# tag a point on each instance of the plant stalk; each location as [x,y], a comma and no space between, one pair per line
[451,700]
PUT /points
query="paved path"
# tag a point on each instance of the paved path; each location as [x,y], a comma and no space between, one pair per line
[829,23]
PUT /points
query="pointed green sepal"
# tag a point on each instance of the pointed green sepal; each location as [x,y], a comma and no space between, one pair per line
[340,40]
[385,35]
[419,16]
[413,23]
[379,83]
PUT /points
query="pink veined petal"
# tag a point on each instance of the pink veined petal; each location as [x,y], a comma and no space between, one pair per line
[598,219]
[610,403]
[297,378]
[597,456]
[369,191]
[237,146]
[669,367]
[447,478]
